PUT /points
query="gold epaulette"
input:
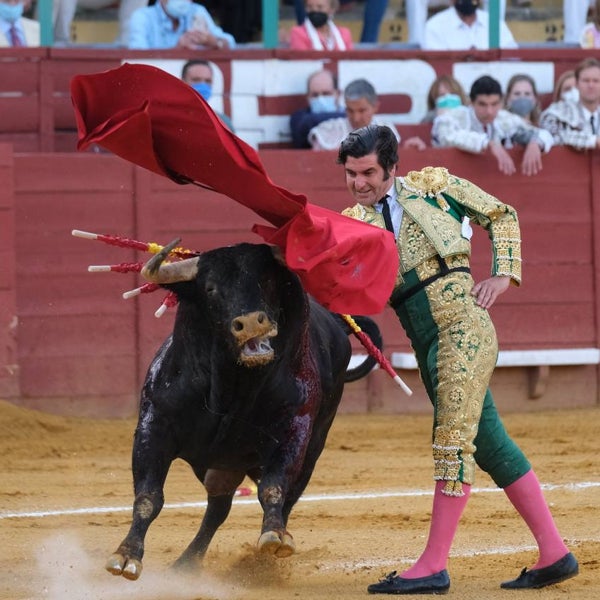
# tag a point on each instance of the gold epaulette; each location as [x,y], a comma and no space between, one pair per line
[428,182]
[355,212]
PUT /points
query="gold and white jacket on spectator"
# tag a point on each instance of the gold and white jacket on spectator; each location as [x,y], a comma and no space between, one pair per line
[565,121]
[460,128]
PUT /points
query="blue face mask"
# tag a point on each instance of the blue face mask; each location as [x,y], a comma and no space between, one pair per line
[203,88]
[322,104]
[11,12]
[177,9]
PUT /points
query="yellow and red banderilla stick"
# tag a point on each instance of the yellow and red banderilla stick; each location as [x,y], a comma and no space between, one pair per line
[374,351]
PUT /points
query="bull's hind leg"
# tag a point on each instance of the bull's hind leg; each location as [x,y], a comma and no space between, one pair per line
[220,487]
[151,462]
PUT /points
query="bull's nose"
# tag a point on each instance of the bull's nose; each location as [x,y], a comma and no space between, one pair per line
[249,323]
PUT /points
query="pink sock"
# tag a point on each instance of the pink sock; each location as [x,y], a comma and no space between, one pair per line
[526,496]
[445,516]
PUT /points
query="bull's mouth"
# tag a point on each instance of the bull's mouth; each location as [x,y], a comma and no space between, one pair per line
[257,351]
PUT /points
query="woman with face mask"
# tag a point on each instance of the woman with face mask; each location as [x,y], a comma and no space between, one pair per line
[445,93]
[522,98]
[319,32]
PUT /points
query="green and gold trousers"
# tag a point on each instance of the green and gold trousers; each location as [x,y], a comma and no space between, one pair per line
[456,349]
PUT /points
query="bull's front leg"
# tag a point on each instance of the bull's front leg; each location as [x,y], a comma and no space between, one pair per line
[127,559]
[274,538]
[284,471]
[153,453]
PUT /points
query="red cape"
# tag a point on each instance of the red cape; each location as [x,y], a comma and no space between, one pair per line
[158,122]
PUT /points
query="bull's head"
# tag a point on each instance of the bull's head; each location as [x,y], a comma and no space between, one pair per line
[251,331]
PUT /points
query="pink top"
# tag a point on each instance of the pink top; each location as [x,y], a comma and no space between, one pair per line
[300,40]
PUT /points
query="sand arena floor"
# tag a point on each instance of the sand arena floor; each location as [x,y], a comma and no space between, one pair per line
[65,502]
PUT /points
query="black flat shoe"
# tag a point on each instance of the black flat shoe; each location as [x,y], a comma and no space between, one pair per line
[438,583]
[562,569]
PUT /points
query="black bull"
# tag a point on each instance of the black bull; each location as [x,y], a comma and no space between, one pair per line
[247,384]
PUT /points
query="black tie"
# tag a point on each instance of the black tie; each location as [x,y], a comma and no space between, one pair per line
[593,123]
[385,211]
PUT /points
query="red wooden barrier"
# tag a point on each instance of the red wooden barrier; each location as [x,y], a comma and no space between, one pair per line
[9,363]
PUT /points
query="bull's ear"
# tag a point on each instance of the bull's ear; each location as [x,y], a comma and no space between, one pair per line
[278,255]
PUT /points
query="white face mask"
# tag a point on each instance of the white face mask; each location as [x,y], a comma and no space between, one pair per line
[177,9]
[571,95]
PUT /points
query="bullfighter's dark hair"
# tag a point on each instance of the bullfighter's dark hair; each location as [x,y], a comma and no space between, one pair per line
[377,139]
[485,86]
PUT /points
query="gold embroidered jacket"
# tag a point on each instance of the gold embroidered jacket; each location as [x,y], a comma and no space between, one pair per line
[437,209]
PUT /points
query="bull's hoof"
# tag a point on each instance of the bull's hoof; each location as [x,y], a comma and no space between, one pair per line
[280,546]
[117,564]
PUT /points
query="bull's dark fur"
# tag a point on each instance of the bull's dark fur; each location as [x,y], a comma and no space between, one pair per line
[228,420]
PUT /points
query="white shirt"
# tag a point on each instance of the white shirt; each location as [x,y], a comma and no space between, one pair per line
[446,31]
[587,114]
[396,209]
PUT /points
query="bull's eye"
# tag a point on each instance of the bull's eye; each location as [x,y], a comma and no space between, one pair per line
[211,289]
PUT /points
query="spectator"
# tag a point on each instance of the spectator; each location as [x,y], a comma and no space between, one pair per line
[416,17]
[199,75]
[566,87]
[577,123]
[15,29]
[323,103]
[361,106]
[445,93]
[176,24]
[63,12]
[522,98]
[590,35]
[463,26]
[319,32]
[486,127]
[574,17]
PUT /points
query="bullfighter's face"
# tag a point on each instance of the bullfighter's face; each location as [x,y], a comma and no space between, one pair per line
[366,179]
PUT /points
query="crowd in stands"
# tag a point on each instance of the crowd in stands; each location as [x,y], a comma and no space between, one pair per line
[487,120]
[196,24]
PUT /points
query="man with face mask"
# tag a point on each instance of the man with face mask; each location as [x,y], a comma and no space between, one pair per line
[16,30]
[323,103]
[463,26]
[176,24]
[198,74]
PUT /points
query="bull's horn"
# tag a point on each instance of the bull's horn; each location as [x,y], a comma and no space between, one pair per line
[183,270]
